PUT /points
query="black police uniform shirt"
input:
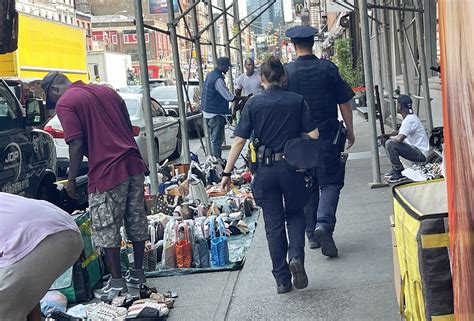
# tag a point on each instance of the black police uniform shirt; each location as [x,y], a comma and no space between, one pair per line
[321,85]
[275,116]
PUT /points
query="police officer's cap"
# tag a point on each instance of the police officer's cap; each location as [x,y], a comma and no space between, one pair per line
[301,33]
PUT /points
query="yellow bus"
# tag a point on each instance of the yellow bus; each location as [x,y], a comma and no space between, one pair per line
[44,46]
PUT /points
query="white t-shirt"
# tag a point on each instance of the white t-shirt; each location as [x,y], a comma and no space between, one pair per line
[415,133]
[249,85]
[25,222]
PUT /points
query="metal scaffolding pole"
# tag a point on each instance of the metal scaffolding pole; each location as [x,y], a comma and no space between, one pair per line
[227,43]
[150,142]
[380,62]
[369,84]
[388,68]
[212,30]
[401,48]
[422,61]
[179,82]
[239,38]
[195,24]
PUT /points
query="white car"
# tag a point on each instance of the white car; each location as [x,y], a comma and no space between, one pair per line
[167,140]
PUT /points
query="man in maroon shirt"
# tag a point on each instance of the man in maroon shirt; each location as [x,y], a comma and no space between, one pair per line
[96,124]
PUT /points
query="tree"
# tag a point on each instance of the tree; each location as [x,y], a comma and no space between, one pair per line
[351,72]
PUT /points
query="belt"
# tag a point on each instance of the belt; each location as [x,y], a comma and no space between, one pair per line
[278,157]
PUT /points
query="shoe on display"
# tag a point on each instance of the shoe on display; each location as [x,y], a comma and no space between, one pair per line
[300,279]
[105,312]
[285,288]
[112,289]
[313,241]
[135,278]
[396,177]
[61,316]
[388,174]
[328,246]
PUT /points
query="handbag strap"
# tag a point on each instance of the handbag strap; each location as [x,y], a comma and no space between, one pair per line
[212,232]
[221,226]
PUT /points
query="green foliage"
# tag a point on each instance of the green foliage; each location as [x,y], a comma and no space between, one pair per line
[350,72]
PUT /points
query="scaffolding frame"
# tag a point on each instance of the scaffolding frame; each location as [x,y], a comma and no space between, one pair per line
[194,37]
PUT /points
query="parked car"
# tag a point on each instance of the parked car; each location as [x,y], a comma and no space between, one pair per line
[168,140]
[160,82]
[27,154]
[168,98]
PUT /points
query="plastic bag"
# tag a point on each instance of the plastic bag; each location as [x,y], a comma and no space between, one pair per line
[53,301]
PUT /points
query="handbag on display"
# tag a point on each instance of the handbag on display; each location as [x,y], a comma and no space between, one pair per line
[197,191]
[167,203]
[184,254]
[150,258]
[219,244]
[200,246]
[168,260]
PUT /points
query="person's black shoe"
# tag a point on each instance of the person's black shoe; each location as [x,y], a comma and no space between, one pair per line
[300,279]
[328,247]
[313,241]
[284,288]
[61,316]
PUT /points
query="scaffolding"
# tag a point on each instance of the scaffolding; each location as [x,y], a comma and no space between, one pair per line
[195,37]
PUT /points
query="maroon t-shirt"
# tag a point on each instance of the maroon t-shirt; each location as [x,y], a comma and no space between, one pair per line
[99,116]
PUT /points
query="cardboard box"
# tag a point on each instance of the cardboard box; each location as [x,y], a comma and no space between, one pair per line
[397,278]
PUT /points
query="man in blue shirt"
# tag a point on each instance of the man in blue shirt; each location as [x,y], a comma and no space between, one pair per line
[215,104]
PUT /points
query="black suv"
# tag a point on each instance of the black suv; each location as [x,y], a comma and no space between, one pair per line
[27,154]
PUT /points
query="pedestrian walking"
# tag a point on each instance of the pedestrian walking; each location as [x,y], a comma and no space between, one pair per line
[321,85]
[97,125]
[247,84]
[215,104]
[276,116]
[410,142]
[38,242]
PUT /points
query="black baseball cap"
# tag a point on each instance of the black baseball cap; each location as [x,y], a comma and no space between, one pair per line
[46,85]
[405,102]
[223,61]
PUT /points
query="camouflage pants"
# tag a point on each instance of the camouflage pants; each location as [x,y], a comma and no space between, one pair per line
[121,205]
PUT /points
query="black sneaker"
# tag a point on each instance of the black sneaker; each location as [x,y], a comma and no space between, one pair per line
[112,289]
[388,174]
[313,241]
[300,279]
[396,177]
[61,316]
[328,246]
[285,288]
[135,278]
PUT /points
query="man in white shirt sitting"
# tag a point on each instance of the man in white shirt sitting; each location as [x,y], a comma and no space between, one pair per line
[410,142]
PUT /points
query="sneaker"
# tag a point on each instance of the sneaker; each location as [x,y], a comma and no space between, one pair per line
[328,246]
[388,174]
[284,288]
[61,316]
[111,290]
[105,312]
[396,177]
[300,279]
[135,278]
[313,241]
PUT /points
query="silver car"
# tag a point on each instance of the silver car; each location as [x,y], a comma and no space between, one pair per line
[167,140]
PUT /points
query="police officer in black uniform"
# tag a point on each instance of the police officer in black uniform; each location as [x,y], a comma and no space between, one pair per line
[321,85]
[275,116]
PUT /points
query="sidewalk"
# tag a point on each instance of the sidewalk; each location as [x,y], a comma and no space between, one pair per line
[356,286]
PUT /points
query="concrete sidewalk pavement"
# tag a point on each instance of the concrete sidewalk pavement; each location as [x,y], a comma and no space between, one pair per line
[356,286]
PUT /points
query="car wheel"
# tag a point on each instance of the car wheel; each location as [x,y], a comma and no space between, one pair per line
[179,146]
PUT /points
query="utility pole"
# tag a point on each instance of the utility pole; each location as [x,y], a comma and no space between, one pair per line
[179,81]
[369,84]
[150,142]
[197,46]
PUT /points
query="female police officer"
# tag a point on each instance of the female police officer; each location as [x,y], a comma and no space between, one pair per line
[275,116]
